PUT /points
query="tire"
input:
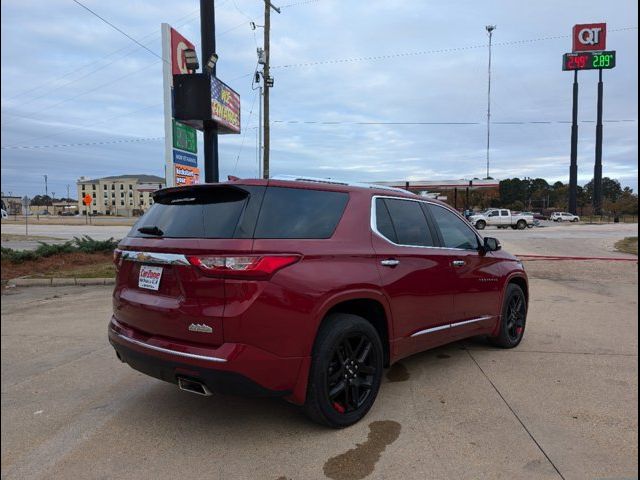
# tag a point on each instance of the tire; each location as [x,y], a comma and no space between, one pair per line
[512,327]
[480,224]
[521,225]
[575,220]
[514,227]
[335,353]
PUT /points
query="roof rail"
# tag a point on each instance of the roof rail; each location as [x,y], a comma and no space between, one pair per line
[296,178]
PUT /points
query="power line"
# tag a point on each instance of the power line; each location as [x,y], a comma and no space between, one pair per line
[85,144]
[48,83]
[527,122]
[429,52]
[244,135]
[79,127]
[305,2]
[119,30]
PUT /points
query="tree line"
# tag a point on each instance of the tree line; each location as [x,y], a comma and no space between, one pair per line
[538,194]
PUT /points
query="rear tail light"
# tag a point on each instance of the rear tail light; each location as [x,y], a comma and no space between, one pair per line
[242,266]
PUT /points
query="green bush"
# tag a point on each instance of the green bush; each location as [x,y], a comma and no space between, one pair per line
[84,244]
[87,244]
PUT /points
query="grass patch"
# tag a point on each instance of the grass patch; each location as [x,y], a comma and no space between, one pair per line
[100,269]
[67,265]
[82,257]
[628,245]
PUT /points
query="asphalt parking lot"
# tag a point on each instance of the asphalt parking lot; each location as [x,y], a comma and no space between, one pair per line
[561,405]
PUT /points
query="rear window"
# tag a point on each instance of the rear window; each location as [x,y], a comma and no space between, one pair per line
[210,213]
[299,213]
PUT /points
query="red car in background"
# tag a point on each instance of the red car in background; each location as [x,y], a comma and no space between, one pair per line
[304,289]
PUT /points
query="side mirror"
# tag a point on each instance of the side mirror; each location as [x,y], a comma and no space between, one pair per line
[491,244]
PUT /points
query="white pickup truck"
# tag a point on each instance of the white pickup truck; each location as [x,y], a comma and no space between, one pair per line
[501,218]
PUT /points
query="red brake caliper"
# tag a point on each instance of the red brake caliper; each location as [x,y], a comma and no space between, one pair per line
[339,408]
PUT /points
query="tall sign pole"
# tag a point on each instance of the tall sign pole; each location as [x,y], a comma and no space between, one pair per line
[597,169]
[588,53]
[169,172]
[210,131]
[180,139]
[573,169]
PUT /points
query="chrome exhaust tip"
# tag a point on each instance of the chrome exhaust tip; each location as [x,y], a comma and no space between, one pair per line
[193,386]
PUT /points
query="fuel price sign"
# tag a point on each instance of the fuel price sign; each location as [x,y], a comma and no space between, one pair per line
[589,60]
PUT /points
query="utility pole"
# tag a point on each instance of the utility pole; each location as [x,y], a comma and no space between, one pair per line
[260,157]
[490,29]
[68,192]
[268,83]
[210,132]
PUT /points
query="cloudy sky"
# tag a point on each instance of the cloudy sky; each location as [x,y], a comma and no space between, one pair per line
[81,99]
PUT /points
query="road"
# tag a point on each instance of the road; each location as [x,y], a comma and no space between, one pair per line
[561,405]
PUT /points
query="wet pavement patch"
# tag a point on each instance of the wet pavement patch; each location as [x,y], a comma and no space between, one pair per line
[397,373]
[360,462]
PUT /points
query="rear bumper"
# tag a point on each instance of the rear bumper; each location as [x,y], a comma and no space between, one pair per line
[231,368]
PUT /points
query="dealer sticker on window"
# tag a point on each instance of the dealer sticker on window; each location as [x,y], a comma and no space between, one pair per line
[149,277]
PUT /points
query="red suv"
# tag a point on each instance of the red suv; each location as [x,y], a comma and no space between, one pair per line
[304,289]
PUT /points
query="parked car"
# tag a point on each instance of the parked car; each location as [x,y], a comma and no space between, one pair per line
[4,214]
[304,289]
[68,213]
[564,217]
[501,218]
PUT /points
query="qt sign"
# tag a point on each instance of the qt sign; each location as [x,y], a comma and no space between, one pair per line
[589,37]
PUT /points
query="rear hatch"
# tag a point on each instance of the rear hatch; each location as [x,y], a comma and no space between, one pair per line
[167,283]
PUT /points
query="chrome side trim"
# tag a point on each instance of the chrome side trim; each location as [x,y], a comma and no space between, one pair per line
[430,330]
[166,350]
[452,325]
[374,227]
[473,320]
[154,257]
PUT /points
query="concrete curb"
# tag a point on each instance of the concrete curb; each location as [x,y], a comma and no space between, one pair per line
[58,282]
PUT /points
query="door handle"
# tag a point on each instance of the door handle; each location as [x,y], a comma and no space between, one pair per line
[390,262]
[458,263]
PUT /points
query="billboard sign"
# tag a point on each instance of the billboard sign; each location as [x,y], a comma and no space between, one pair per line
[186,175]
[225,107]
[589,37]
[181,141]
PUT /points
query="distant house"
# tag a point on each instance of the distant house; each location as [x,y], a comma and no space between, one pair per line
[122,195]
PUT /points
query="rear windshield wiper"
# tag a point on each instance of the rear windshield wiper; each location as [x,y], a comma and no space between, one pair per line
[151,231]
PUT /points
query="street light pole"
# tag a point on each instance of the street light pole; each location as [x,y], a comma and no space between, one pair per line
[46,192]
[210,132]
[490,29]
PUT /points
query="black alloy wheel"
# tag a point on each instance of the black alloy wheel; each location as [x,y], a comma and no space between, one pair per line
[346,371]
[351,373]
[514,318]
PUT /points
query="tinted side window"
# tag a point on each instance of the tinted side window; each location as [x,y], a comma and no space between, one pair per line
[455,232]
[409,223]
[504,213]
[383,221]
[298,213]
